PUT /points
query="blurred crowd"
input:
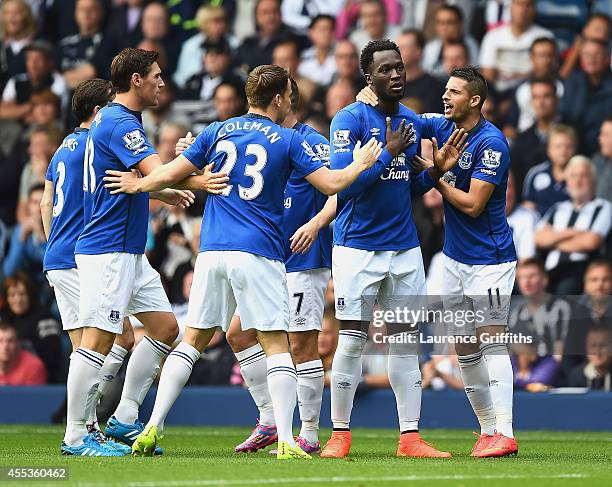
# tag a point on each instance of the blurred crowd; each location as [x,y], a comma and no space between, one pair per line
[548,65]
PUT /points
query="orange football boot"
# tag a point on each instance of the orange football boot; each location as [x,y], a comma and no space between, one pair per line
[500,446]
[483,442]
[338,446]
[412,445]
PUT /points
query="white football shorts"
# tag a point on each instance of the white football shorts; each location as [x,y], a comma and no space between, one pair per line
[65,283]
[224,280]
[485,289]
[115,285]
[307,298]
[395,280]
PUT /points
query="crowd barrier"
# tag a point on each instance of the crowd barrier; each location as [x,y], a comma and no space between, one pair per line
[216,406]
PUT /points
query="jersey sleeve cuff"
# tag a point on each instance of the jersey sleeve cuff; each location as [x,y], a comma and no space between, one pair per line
[385,157]
[482,177]
[428,180]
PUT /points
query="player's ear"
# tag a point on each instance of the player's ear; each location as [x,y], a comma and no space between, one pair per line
[368,78]
[278,100]
[475,101]
[136,79]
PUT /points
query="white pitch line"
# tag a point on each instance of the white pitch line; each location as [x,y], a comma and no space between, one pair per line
[335,479]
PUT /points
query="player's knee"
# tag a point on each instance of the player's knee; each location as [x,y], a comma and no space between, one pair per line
[240,340]
[463,349]
[350,346]
[126,339]
[168,332]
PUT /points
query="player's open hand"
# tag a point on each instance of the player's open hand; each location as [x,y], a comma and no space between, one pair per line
[122,182]
[176,197]
[368,154]
[213,182]
[401,138]
[303,238]
[446,157]
[367,96]
[183,143]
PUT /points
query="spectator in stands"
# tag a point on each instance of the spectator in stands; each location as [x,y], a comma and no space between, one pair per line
[596,373]
[504,51]
[212,22]
[603,161]
[216,67]
[442,372]
[544,65]
[454,55]
[449,29]
[522,221]
[589,94]
[347,65]
[85,55]
[229,100]
[300,14]
[533,372]
[155,28]
[123,24]
[598,28]
[36,329]
[574,231]
[28,242]
[40,75]
[529,147]
[545,183]
[351,14]
[46,110]
[43,143]
[339,95]
[318,64]
[286,54]
[257,49]
[18,367]
[419,84]
[373,24]
[598,291]
[17,27]
[542,316]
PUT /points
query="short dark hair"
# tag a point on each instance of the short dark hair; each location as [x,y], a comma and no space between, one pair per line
[458,43]
[452,8]
[235,85]
[295,95]
[601,262]
[36,187]
[477,85]
[88,95]
[6,325]
[316,19]
[418,35]
[545,80]
[264,83]
[543,40]
[289,42]
[128,62]
[367,55]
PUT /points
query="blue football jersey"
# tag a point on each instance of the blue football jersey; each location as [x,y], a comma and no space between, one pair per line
[486,239]
[375,212]
[302,202]
[259,156]
[118,223]
[66,173]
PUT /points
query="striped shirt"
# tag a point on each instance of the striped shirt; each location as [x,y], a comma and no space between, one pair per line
[594,216]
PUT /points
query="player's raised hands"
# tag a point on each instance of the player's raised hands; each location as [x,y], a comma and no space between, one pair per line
[368,154]
[446,157]
[399,139]
[183,143]
[303,238]
[367,96]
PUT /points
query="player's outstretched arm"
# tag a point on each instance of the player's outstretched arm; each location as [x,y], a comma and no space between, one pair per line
[176,174]
[46,207]
[303,238]
[330,182]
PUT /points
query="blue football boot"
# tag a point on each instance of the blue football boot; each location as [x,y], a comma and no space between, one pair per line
[91,447]
[125,432]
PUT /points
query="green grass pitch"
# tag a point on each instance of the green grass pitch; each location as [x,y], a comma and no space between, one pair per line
[203,456]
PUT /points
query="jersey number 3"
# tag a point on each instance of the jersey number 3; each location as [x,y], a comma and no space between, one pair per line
[59,191]
[253,170]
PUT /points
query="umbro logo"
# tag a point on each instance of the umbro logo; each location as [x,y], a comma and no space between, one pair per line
[469,390]
[344,385]
[375,131]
